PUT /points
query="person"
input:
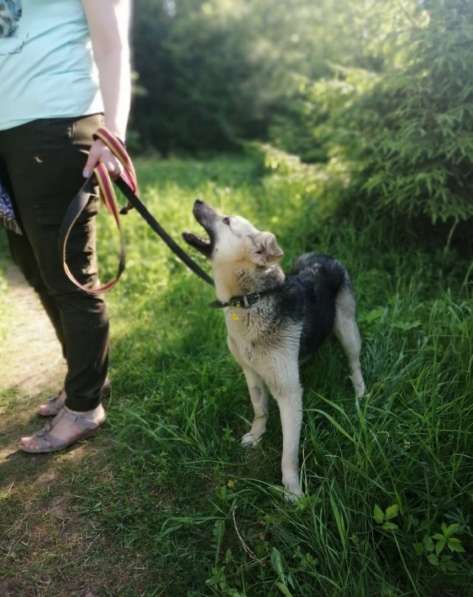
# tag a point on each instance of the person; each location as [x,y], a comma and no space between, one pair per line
[64,72]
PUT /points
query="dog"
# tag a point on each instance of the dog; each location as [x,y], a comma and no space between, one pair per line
[274,320]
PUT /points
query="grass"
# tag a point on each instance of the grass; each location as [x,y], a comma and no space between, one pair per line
[388,480]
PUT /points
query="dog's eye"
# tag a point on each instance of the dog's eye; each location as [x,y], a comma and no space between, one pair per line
[226,221]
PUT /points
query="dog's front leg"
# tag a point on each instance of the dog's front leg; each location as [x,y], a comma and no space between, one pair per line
[259,400]
[287,391]
[258,395]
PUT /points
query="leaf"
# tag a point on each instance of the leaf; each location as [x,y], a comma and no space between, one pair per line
[455,544]
[433,559]
[378,514]
[277,563]
[391,512]
[284,590]
[419,548]
[448,564]
[451,529]
[390,526]
[439,546]
[428,543]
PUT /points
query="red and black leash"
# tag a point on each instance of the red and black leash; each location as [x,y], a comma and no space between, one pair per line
[128,184]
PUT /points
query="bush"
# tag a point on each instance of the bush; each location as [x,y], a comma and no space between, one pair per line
[407,132]
[212,73]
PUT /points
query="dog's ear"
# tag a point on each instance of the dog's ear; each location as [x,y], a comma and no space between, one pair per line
[265,249]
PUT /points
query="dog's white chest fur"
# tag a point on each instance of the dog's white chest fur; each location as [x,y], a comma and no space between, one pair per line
[260,343]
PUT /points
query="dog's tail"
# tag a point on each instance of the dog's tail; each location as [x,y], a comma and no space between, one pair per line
[311,265]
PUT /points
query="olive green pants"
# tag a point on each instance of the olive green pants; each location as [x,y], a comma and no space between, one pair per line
[41,164]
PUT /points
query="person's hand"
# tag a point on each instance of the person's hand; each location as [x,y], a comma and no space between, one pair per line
[99,152]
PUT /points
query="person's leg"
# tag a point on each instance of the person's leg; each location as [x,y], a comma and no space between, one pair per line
[23,256]
[45,161]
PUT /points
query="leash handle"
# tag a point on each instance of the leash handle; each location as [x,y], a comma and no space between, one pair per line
[118,149]
[108,197]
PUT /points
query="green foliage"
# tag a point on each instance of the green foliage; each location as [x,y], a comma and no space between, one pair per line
[406,131]
[380,91]
[388,479]
[435,547]
[213,72]
[383,88]
[421,158]
[384,518]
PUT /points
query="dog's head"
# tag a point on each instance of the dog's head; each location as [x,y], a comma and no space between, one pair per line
[232,239]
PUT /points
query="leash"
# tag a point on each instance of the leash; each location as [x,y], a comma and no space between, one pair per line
[161,232]
[128,184]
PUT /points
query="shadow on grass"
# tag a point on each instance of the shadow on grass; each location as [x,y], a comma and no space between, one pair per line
[51,545]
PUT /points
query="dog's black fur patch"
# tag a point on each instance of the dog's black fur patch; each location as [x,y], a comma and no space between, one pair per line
[308,295]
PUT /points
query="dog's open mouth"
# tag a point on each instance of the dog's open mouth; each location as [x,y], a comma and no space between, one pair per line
[205,216]
[202,245]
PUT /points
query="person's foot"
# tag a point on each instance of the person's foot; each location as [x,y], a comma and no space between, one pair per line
[55,403]
[66,428]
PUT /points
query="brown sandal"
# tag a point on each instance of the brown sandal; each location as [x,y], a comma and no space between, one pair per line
[45,442]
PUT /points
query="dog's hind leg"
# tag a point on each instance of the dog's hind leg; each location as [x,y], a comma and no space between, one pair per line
[259,400]
[346,330]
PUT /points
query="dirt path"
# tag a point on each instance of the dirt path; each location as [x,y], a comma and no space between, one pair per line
[48,546]
[31,359]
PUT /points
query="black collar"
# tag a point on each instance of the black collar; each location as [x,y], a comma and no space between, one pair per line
[244,301]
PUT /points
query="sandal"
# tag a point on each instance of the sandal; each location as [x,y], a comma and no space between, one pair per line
[54,404]
[45,442]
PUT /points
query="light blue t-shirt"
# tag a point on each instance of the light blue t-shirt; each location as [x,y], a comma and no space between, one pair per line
[46,64]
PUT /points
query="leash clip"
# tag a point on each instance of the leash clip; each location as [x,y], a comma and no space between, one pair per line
[125,209]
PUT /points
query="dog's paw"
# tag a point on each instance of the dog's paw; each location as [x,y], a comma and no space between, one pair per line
[249,440]
[358,385]
[360,390]
[292,493]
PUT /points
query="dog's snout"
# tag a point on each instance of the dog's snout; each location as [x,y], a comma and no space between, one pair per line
[199,206]
[204,214]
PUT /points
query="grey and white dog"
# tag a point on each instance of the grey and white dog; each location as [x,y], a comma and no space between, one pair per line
[274,319]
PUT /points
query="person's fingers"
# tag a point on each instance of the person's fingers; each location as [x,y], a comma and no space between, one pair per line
[94,157]
[100,153]
[113,166]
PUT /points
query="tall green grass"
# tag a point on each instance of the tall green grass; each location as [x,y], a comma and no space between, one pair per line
[388,479]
